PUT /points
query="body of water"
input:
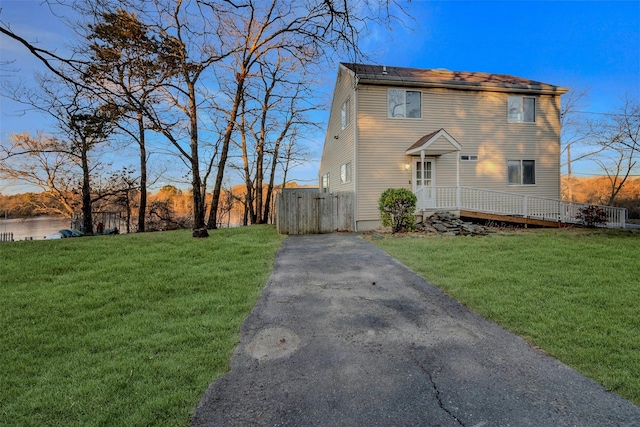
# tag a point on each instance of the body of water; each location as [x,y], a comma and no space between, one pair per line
[33,228]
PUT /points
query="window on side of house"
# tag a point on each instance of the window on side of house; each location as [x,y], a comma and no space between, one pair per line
[345,173]
[521,172]
[325,183]
[468,158]
[521,109]
[344,115]
[404,103]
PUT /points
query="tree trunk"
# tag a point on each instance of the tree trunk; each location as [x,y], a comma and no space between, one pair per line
[245,213]
[259,179]
[249,212]
[87,220]
[128,205]
[142,208]
[196,182]
[272,177]
[215,199]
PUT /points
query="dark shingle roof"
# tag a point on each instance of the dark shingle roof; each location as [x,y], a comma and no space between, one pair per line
[424,139]
[379,74]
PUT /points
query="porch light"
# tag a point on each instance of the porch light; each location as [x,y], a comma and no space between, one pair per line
[407,166]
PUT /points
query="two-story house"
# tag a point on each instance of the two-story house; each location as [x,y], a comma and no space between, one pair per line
[448,136]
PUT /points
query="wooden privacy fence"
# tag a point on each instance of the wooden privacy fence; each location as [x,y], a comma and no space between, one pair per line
[314,213]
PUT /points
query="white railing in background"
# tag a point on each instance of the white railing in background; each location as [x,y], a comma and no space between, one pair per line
[502,203]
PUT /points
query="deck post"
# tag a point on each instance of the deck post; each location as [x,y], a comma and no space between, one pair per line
[525,207]
[561,210]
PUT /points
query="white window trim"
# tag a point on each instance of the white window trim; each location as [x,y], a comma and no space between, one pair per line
[521,108]
[345,114]
[521,183]
[345,173]
[404,117]
[468,158]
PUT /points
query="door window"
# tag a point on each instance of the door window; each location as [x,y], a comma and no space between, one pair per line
[423,174]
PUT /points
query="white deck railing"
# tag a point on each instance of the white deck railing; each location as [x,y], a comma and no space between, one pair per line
[512,204]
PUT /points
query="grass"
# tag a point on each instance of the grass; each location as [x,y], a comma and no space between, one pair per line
[573,293]
[123,330]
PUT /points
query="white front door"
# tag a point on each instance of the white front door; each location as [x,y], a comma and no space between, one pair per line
[423,182]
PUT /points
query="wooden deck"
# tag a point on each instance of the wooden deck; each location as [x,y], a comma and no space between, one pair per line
[513,219]
[510,207]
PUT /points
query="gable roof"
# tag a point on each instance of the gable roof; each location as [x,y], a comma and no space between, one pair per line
[435,144]
[438,77]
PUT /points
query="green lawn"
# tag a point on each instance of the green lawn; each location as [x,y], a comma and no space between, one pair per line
[131,329]
[573,293]
[123,330]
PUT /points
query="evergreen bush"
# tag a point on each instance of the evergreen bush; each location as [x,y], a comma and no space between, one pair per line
[397,207]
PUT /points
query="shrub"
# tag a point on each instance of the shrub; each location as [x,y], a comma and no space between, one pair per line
[397,206]
[592,216]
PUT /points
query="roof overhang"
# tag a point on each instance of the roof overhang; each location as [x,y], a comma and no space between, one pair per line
[439,78]
[434,144]
[475,86]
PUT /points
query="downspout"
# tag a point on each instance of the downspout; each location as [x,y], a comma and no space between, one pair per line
[422,178]
[458,181]
[355,153]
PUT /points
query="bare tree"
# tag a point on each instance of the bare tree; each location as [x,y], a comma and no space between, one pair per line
[306,32]
[274,104]
[83,123]
[182,46]
[121,190]
[618,137]
[43,162]
[574,131]
[204,48]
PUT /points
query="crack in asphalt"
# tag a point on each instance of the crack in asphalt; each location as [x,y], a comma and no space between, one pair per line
[435,387]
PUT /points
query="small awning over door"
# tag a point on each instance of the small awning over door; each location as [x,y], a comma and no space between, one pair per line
[434,144]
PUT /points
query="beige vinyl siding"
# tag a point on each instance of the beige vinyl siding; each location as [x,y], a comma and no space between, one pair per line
[495,141]
[440,144]
[337,152]
[446,169]
[381,150]
[477,120]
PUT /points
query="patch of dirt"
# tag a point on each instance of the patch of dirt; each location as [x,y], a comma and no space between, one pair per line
[273,343]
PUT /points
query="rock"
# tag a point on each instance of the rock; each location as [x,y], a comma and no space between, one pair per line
[200,233]
[440,227]
[447,223]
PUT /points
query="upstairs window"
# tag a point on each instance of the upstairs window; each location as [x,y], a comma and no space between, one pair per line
[404,103]
[344,115]
[521,172]
[521,109]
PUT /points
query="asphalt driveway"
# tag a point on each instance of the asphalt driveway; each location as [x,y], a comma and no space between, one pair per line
[344,335]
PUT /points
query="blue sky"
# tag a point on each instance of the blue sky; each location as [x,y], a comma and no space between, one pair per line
[591,45]
[586,44]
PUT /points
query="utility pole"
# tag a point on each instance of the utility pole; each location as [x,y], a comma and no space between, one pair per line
[569,185]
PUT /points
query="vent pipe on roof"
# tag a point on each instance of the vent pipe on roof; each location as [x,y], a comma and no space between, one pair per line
[384,70]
